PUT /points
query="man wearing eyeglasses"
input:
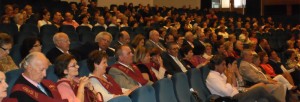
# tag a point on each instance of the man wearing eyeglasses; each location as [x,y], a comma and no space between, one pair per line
[172,62]
[102,43]
[6,62]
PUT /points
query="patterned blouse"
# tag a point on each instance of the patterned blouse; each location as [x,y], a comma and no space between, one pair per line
[7,64]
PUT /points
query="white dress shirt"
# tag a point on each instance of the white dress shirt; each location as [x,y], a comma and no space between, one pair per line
[216,83]
[98,87]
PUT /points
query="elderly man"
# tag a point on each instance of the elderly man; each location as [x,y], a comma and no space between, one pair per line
[125,73]
[171,60]
[154,41]
[31,85]
[123,39]
[251,74]
[189,39]
[102,42]
[62,45]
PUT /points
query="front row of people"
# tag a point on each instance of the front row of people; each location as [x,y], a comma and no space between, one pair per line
[123,78]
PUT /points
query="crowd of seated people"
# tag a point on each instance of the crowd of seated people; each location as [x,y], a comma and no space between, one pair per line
[249,58]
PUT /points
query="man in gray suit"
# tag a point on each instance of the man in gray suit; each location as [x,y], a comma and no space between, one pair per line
[125,73]
[154,41]
[253,74]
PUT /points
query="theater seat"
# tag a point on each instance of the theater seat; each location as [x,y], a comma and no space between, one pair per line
[197,83]
[143,94]
[182,89]
[11,78]
[83,68]
[164,91]
[50,74]
[120,99]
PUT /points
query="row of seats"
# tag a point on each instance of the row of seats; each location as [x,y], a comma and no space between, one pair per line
[176,89]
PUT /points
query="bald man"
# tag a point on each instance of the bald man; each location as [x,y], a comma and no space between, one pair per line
[31,85]
[62,45]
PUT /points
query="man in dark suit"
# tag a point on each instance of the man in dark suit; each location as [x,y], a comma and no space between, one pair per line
[263,46]
[62,45]
[123,39]
[189,39]
[172,62]
[154,41]
[31,85]
[199,43]
[102,42]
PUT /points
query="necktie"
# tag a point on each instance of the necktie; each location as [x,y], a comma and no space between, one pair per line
[42,89]
[180,65]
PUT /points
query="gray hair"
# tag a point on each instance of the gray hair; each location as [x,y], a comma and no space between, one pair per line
[28,59]
[58,36]
[101,34]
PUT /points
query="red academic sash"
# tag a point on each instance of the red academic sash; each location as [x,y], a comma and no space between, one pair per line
[151,72]
[89,96]
[110,85]
[38,96]
[9,100]
[136,75]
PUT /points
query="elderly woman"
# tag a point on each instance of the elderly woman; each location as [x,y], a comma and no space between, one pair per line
[104,83]
[31,44]
[208,51]
[66,68]
[3,89]
[6,62]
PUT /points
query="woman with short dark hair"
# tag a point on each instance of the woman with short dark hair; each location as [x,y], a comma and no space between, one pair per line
[6,62]
[69,86]
[31,44]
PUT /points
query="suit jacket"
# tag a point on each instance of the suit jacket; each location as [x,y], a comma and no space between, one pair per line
[185,43]
[23,97]
[123,79]
[250,74]
[53,54]
[276,66]
[150,45]
[199,47]
[170,65]
[83,51]
[115,45]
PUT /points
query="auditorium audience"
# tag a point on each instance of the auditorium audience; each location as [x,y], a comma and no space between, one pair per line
[253,74]
[6,62]
[217,84]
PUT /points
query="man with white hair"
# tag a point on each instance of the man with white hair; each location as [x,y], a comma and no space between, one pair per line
[62,45]
[102,42]
[154,41]
[31,85]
